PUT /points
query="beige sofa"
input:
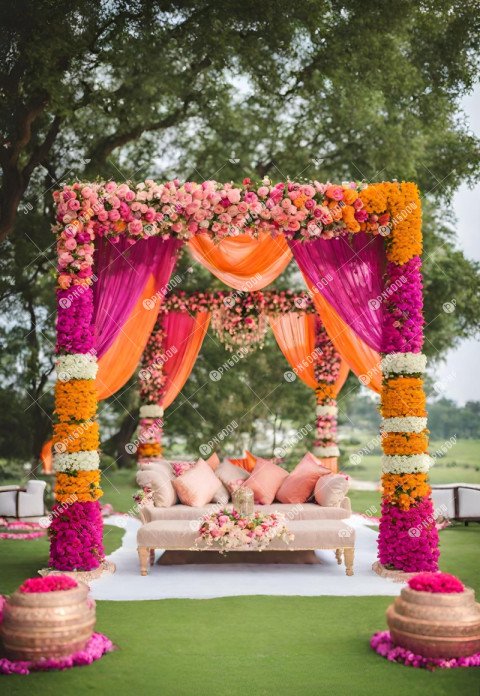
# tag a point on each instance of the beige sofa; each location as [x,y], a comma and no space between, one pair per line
[314,527]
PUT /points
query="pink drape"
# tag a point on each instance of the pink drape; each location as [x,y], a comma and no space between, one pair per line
[184,334]
[295,335]
[243,262]
[121,272]
[348,272]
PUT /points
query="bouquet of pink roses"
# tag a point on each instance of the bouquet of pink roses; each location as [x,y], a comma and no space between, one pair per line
[229,530]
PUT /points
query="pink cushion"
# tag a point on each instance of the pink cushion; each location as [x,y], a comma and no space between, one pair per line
[265,480]
[299,484]
[197,486]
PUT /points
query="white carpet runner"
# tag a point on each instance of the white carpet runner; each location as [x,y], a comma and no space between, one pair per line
[207,581]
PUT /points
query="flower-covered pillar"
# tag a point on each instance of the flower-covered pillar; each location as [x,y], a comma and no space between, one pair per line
[76,522]
[152,383]
[326,368]
[408,538]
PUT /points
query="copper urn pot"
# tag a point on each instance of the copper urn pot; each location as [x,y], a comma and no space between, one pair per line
[436,624]
[38,625]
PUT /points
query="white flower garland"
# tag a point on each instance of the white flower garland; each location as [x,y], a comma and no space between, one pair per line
[406,464]
[76,461]
[151,411]
[76,366]
[404,363]
[408,424]
[326,410]
[332,451]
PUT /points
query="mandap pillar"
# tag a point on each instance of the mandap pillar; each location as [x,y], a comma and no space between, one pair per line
[326,369]
[408,538]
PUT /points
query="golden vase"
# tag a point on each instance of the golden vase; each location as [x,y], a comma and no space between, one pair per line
[243,501]
[38,625]
[436,624]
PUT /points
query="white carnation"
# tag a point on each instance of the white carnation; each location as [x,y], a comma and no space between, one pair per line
[76,461]
[76,366]
[326,410]
[406,464]
[151,411]
[408,424]
[331,451]
[404,363]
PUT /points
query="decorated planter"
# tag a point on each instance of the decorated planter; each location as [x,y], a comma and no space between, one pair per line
[435,624]
[43,624]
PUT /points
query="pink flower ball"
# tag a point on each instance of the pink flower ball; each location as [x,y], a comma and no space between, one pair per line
[70,244]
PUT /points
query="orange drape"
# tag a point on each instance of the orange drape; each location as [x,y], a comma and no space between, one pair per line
[295,335]
[195,340]
[46,457]
[243,262]
[363,360]
[120,361]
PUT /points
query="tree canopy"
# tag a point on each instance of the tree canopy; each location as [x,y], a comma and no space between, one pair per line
[132,89]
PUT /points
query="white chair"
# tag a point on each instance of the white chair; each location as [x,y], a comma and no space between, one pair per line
[23,502]
[458,501]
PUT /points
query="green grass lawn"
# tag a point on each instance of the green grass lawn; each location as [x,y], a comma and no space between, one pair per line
[260,646]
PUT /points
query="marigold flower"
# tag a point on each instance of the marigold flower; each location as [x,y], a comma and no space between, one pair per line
[83,486]
[405,443]
[404,490]
[75,400]
[76,437]
[403,396]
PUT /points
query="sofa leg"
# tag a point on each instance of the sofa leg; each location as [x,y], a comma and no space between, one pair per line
[152,557]
[349,553]
[143,555]
[338,556]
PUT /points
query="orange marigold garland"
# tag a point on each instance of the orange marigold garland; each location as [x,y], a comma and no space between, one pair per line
[403,396]
[76,437]
[149,449]
[81,486]
[405,443]
[75,400]
[404,490]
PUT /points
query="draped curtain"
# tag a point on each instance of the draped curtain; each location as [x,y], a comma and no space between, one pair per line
[120,361]
[243,262]
[362,360]
[184,334]
[121,272]
[295,335]
[348,272]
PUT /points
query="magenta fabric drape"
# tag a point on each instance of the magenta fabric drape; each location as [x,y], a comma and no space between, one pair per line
[348,272]
[121,270]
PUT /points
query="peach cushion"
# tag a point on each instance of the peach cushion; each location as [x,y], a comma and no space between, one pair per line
[197,486]
[265,481]
[213,461]
[160,481]
[330,490]
[299,484]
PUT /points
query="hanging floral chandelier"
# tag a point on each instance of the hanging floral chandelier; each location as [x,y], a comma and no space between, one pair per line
[239,321]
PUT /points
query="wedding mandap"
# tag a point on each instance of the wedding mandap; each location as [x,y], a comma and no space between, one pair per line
[358,248]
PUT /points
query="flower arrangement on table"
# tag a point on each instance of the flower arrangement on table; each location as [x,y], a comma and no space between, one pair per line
[229,530]
[436,582]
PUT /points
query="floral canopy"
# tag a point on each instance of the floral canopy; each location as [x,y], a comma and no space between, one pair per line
[358,247]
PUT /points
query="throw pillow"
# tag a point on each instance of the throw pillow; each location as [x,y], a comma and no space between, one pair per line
[240,462]
[197,486]
[213,461]
[160,481]
[299,484]
[265,480]
[222,496]
[230,474]
[331,489]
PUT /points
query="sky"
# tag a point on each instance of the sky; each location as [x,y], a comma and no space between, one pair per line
[460,374]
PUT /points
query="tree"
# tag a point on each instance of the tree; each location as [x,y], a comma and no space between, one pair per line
[323,90]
